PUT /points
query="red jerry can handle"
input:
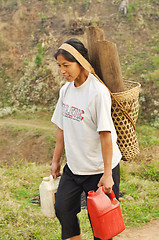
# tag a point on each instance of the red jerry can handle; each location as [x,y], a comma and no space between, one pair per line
[111,195]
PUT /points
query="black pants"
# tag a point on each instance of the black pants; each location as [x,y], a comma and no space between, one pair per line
[68,198]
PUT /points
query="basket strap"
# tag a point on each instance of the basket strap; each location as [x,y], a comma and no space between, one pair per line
[86,65]
[120,105]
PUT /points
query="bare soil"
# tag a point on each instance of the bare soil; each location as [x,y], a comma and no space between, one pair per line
[148,232]
[29,140]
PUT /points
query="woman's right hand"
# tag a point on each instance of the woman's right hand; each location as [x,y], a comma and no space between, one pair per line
[55,169]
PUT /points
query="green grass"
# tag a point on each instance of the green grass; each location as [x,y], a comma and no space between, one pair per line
[142,185]
[147,135]
[21,219]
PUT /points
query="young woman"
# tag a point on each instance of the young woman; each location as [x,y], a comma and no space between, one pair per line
[85,129]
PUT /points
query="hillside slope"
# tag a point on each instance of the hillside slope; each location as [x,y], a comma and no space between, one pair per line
[32,30]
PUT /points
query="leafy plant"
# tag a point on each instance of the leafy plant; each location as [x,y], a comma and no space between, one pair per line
[42,17]
[86,3]
[39,57]
[132,9]
[38,60]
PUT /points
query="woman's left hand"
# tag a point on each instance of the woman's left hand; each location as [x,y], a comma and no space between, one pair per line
[107,183]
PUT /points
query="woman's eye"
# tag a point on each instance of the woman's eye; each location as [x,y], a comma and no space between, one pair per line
[65,65]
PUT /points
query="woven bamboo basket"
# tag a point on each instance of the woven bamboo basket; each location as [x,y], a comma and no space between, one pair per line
[129,99]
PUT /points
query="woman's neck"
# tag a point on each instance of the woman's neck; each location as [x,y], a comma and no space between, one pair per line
[81,78]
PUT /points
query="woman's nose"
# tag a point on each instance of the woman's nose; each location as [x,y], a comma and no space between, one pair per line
[62,70]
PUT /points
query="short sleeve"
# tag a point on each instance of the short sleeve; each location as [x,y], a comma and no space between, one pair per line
[103,112]
[57,116]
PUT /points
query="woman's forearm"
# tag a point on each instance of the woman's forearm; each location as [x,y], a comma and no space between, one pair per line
[59,147]
[107,149]
[106,144]
[55,166]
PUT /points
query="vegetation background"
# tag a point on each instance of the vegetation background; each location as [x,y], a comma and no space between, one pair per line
[30,32]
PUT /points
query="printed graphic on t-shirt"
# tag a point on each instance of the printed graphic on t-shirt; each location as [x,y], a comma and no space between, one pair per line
[72,112]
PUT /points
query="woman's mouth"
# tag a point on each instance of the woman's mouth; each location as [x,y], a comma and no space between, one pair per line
[67,77]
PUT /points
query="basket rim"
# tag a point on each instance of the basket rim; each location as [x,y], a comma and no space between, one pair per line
[127,91]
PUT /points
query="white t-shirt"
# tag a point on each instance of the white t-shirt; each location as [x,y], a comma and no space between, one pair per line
[82,112]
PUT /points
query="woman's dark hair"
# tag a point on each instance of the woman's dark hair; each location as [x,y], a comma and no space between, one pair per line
[78,45]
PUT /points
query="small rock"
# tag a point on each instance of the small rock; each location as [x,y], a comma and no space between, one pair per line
[121,199]
[130,198]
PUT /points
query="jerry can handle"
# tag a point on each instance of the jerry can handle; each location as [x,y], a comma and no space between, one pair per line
[112,195]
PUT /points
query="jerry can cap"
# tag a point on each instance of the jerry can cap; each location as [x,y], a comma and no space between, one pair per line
[91,193]
[46,179]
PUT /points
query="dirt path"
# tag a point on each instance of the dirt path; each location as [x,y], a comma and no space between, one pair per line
[46,125]
[149,231]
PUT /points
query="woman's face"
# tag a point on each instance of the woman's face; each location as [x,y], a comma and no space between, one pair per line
[70,70]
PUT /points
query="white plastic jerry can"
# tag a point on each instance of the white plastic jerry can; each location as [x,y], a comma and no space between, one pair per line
[48,189]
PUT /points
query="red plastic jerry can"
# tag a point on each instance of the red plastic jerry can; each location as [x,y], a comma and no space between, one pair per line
[105,214]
